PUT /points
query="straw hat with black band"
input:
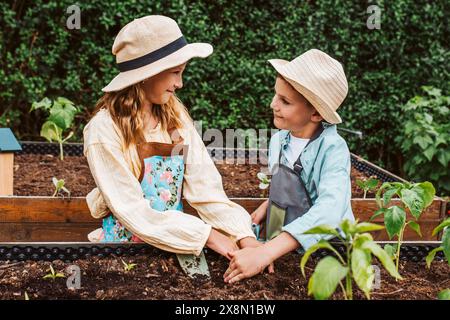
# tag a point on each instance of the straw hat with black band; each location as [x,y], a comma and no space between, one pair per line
[148,46]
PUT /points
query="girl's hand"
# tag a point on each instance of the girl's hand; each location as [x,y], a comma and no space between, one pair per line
[221,244]
[246,263]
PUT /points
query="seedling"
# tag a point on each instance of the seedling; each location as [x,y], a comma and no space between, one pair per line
[264,183]
[53,275]
[367,185]
[59,185]
[415,197]
[445,246]
[356,266]
[128,266]
[60,117]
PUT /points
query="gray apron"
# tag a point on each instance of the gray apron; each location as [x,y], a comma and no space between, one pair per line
[288,196]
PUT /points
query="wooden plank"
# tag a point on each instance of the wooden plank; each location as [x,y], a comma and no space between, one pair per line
[56,219]
[46,232]
[6,173]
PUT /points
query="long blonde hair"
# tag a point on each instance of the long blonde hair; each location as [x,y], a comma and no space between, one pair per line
[127,112]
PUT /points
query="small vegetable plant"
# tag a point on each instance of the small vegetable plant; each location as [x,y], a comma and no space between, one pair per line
[414,197]
[53,275]
[445,246]
[61,113]
[264,183]
[128,266]
[367,185]
[355,266]
[59,185]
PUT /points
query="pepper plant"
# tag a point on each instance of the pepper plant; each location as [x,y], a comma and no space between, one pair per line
[355,266]
[59,185]
[415,198]
[61,113]
[367,185]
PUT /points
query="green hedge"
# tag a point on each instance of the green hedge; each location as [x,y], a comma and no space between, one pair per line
[232,88]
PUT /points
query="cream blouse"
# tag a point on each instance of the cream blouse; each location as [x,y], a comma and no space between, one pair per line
[116,173]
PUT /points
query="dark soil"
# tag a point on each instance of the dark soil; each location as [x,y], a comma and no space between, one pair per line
[159,276]
[33,177]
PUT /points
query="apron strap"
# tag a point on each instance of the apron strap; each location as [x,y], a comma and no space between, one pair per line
[298,167]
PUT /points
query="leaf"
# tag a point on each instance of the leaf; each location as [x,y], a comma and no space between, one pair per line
[415,226]
[43,104]
[446,244]
[413,201]
[385,185]
[326,277]
[430,256]
[362,270]
[360,184]
[372,183]
[323,229]
[394,219]
[377,213]
[62,114]
[261,176]
[391,250]
[428,192]
[367,227]
[441,226]
[51,131]
[322,244]
[429,152]
[444,294]
[387,196]
[383,256]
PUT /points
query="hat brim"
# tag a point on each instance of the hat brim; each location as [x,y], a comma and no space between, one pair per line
[128,78]
[324,110]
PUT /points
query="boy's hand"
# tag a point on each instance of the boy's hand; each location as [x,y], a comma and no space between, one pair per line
[260,213]
[246,263]
[250,242]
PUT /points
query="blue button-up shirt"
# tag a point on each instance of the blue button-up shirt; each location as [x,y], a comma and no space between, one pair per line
[326,174]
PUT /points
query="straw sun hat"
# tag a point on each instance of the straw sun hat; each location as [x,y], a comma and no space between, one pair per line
[319,78]
[148,46]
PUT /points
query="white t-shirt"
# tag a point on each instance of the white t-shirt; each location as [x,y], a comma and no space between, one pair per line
[294,148]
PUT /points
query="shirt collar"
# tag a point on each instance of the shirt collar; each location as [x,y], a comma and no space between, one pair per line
[287,137]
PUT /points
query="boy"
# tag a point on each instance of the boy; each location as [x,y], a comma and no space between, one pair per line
[309,162]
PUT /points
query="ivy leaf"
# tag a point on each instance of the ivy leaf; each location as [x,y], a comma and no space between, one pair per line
[394,219]
[326,277]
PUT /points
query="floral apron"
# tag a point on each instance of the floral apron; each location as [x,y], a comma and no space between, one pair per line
[162,173]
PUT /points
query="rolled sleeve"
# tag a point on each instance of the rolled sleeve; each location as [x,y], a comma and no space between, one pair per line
[170,230]
[203,190]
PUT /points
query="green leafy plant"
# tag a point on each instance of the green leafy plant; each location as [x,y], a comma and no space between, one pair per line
[59,185]
[444,294]
[367,185]
[53,275]
[61,113]
[355,266]
[264,183]
[128,266]
[425,140]
[414,197]
[445,246]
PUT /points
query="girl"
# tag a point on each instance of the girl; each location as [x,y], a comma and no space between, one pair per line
[144,152]
[309,162]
